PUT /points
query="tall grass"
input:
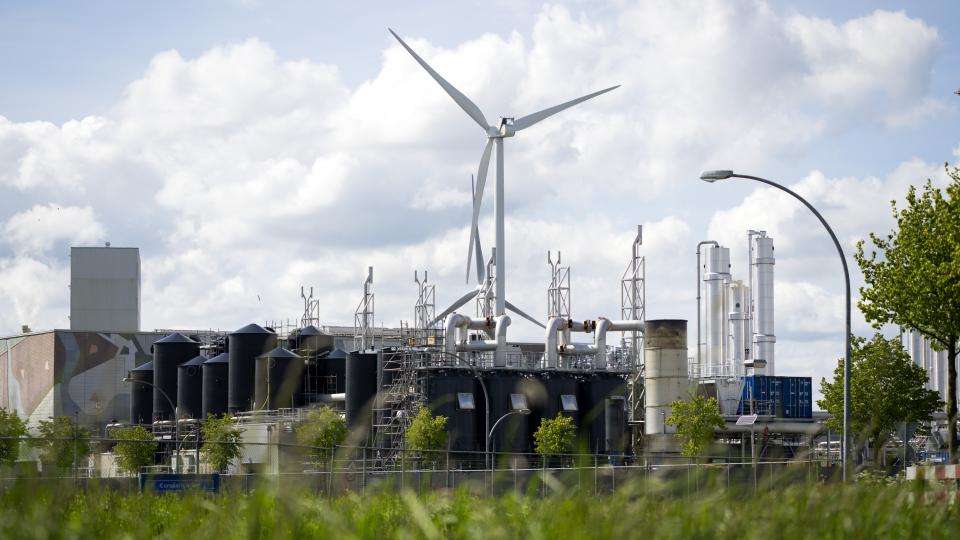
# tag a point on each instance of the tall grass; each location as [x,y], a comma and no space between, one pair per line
[794,512]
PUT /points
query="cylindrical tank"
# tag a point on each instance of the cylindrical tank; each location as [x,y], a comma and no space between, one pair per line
[332,368]
[454,394]
[739,328]
[245,345]
[513,433]
[190,387]
[716,276]
[562,397]
[361,368]
[764,339]
[311,339]
[215,382]
[665,376]
[279,380]
[168,353]
[141,395]
[603,413]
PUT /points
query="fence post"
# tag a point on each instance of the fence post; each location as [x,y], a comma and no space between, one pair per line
[330,476]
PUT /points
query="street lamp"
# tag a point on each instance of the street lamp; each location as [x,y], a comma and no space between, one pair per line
[713,176]
[521,409]
[176,421]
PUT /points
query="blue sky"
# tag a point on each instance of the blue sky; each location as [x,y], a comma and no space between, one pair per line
[250,147]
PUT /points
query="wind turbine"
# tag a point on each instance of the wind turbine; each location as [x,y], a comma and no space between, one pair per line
[496,133]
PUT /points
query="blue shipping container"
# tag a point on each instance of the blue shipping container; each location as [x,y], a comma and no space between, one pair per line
[783,397]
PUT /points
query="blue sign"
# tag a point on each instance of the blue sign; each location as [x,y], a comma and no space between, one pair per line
[178,483]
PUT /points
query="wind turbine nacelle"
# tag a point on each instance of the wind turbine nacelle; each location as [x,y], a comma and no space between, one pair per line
[506,128]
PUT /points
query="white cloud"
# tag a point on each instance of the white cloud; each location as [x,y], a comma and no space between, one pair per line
[39,228]
[244,174]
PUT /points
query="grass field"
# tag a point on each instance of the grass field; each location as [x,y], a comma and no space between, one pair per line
[796,512]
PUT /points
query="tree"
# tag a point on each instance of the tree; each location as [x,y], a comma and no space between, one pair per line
[12,428]
[885,388]
[61,440]
[912,276]
[323,430]
[696,420]
[427,434]
[221,441]
[135,448]
[554,436]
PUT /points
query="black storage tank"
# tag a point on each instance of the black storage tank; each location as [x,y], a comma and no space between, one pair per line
[141,395]
[455,394]
[190,387]
[245,345]
[505,388]
[333,371]
[215,381]
[603,413]
[279,380]
[361,387]
[562,397]
[168,353]
[311,339]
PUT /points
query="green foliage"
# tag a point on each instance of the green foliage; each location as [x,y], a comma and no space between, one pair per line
[12,427]
[60,440]
[912,274]
[885,388]
[135,448]
[324,429]
[427,434]
[695,420]
[555,436]
[800,511]
[221,441]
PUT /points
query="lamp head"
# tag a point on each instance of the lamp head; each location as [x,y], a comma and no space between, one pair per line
[713,176]
[524,411]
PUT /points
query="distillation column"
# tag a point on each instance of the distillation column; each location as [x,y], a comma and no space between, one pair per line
[716,277]
[764,337]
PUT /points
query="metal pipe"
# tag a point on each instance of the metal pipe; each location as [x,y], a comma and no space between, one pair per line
[550,342]
[700,247]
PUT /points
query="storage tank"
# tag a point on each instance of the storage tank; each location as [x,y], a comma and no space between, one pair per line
[513,433]
[312,339]
[332,368]
[215,383]
[141,395]
[279,380]
[245,345]
[361,387]
[665,378]
[168,353]
[739,328]
[455,394]
[562,397]
[603,413]
[190,387]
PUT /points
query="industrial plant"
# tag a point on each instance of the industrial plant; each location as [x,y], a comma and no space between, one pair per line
[615,376]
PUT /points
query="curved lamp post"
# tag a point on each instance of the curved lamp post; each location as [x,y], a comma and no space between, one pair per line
[497,423]
[176,421]
[713,176]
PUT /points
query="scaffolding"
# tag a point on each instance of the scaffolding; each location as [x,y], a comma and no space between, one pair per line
[363,321]
[558,293]
[426,329]
[311,309]
[400,394]
[633,293]
[487,296]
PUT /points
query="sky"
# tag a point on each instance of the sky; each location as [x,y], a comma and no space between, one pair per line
[249,148]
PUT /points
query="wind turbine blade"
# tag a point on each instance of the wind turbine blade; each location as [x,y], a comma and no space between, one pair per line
[531,119]
[477,201]
[463,101]
[460,301]
[479,257]
[516,310]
